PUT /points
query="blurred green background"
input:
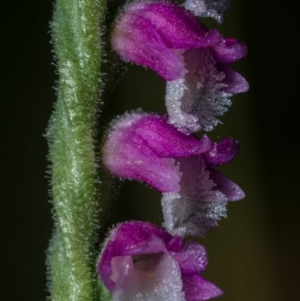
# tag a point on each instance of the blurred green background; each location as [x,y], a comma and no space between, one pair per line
[255,253]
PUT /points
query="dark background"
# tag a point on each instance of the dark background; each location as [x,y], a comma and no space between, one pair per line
[255,253]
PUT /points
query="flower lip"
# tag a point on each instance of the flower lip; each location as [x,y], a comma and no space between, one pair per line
[196,100]
[133,239]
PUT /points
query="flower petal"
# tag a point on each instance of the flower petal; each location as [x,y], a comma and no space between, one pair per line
[196,288]
[222,152]
[127,154]
[229,50]
[235,83]
[166,141]
[162,283]
[131,238]
[135,39]
[192,258]
[232,191]
[134,159]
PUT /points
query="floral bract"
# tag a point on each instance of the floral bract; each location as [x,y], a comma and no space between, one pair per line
[141,262]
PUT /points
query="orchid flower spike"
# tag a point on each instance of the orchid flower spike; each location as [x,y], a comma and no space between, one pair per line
[170,40]
[141,262]
[147,148]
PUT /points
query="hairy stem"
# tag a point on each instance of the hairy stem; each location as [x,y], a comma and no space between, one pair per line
[77,46]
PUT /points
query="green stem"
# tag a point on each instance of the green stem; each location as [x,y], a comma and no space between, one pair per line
[77,45]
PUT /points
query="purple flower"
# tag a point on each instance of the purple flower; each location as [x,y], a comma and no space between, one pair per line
[168,39]
[141,262]
[146,148]
[204,192]
[143,147]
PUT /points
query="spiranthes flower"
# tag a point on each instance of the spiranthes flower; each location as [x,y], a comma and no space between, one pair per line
[147,148]
[170,40]
[142,262]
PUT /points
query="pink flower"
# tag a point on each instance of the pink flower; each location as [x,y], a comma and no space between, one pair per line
[146,148]
[168,39]
[141,262]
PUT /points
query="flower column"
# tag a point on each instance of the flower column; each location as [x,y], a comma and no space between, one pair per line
[76,38]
